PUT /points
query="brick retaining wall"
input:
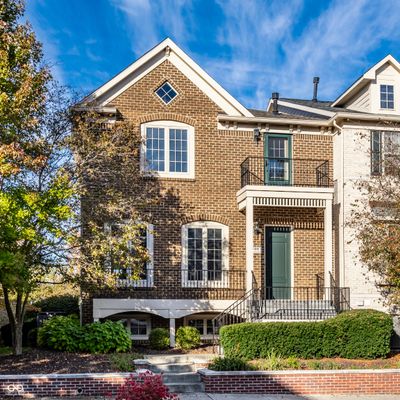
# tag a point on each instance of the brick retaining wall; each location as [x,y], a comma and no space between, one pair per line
[30,386]
[303,382]
[272,382]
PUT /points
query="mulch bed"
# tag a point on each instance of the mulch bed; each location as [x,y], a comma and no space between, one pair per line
[39,361]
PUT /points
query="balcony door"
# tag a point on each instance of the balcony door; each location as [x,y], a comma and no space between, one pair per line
[277,262]
[277,156]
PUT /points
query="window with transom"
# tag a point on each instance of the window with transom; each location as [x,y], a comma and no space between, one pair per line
[205,253]
[168,149]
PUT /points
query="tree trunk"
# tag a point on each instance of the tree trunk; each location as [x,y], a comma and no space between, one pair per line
[16,319]
[17,338]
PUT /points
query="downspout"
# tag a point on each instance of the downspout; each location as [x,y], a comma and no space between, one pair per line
[341,215]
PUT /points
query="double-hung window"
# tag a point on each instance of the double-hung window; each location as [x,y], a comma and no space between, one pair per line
[127,276]
[168,149]
[385,152]
[138,326]
[205,253]
[203,323]
[387,96]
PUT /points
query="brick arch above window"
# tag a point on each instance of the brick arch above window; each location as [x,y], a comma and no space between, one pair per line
[166,116]
[205,217]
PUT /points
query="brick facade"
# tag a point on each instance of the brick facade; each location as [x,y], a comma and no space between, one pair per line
[212,194]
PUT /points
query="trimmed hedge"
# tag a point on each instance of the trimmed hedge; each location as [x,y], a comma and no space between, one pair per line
[353,334]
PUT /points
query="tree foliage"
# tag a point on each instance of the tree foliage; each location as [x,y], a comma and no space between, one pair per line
[63,175]
[376,222]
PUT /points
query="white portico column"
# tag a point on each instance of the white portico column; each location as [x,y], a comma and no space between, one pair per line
[172,332]
[328,241]
[249,243]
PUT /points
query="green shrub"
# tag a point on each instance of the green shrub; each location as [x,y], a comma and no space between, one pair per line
[187,337]
[66,334]
[229,364]
[122,362]
[159,338]
[354,334]
[103,337]
[363,333]
[61,333]
[272,362]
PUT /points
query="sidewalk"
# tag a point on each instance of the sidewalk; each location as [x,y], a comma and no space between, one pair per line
[210,396]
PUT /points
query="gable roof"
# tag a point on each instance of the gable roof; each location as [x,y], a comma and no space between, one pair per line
[167,49]
[367,77]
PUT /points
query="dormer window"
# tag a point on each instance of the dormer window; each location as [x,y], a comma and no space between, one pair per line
[166,93]
[387,97]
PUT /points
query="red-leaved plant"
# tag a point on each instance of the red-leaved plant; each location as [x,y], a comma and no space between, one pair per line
[145,386]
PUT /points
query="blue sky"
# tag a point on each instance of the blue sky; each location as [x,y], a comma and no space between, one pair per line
[251,47]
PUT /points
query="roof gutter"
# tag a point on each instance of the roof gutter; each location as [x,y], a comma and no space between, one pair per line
[364,117]
[272,120]
[97,109]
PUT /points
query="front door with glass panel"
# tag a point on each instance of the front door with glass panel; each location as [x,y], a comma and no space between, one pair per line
[278,164]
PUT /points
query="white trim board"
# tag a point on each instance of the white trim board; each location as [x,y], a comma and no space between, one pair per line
[167,49]
[368,76]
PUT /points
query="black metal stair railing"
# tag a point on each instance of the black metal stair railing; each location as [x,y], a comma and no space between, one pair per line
[284,304]
[285,172]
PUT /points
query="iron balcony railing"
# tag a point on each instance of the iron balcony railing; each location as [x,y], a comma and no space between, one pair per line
[183,277]
[285,172]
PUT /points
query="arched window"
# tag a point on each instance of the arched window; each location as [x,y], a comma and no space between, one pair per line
[168,149]
[205,254]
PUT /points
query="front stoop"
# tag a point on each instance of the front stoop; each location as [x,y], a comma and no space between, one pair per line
[179,372]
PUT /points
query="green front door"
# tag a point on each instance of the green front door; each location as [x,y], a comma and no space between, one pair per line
[277,263]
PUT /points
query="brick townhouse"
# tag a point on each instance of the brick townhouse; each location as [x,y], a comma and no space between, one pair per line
[256,227]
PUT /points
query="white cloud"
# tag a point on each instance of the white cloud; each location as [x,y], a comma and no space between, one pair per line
[270,53]
[148,20]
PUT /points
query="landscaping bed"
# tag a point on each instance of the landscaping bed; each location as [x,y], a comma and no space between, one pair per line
[391,362]
[38,361]
[41,361]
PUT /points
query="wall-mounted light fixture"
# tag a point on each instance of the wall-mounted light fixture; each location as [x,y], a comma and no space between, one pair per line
[257,135]
[257,229]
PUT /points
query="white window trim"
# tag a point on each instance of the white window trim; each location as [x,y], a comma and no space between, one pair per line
[191,147]
[387,83]
[224,283]
[148,327]
[149,281]
[203,317]
[173,88]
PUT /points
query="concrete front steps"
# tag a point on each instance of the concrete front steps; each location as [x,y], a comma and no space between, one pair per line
[179,372]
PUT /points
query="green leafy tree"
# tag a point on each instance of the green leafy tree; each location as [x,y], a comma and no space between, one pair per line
[47,173]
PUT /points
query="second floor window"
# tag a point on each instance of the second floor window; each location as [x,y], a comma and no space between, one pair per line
[387,97]
[168,149]
[385,152]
